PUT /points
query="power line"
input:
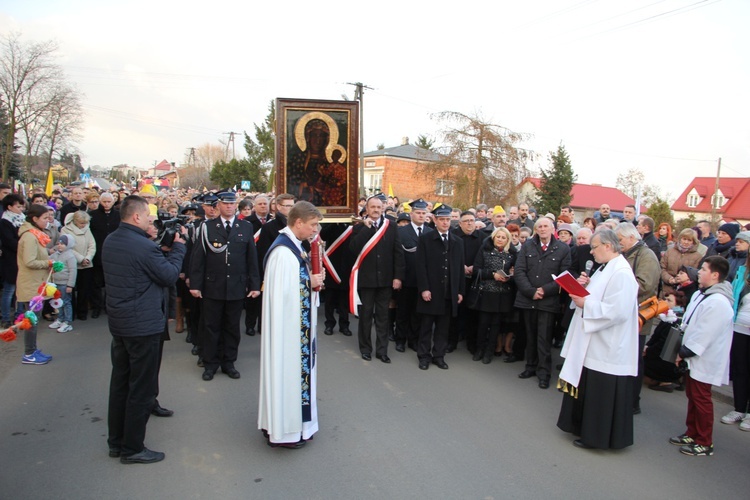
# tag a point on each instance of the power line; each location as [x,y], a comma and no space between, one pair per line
[608,18]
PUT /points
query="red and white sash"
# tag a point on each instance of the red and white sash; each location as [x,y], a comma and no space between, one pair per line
[354,299]
[257,234]
[327,262]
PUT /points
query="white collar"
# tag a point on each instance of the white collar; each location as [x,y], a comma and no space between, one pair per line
[417,228]
[224,221]
[297,242]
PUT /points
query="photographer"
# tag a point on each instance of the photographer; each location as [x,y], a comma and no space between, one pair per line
[137,276]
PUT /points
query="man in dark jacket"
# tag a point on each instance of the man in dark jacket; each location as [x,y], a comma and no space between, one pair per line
[407,319]
[104,220]
[645,228]
[223,271]
[138,277]
[465,323]
[539,296]
[441,284]
[381,271]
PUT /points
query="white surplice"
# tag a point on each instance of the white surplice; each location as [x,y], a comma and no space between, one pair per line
[280,398]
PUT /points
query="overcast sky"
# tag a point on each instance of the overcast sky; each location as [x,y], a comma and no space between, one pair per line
[658,85]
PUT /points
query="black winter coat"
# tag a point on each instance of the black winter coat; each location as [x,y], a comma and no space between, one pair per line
[138,277]
[409,240]
[384,263]
[534,269]
[431,276]
[497,296]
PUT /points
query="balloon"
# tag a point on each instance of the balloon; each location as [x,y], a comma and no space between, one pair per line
[56,303]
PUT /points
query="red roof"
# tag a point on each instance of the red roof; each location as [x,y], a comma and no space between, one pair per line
[163,165]
[593,195]
[736,190]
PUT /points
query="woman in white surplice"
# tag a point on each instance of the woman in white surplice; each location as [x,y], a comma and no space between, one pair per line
[601,352]
[287,412]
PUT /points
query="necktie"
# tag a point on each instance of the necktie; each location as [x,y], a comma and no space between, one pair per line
[445,241]
[375,224]
[262,220]
[544,247]
[419,231]
[229,227]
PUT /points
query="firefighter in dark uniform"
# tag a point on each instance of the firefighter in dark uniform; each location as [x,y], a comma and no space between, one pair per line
[407,319]
[223,271]
[337,293]
[441,284]
[207,209]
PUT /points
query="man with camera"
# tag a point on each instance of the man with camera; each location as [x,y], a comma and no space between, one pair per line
[223,271]
[138,277]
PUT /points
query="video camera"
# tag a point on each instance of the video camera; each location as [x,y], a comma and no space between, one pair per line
[168,227]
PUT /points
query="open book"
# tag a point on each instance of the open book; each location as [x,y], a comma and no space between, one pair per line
[570,285]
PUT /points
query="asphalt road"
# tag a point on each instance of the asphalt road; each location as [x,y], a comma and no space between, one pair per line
[386,431]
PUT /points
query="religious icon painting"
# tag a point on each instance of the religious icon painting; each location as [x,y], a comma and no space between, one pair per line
[317,153]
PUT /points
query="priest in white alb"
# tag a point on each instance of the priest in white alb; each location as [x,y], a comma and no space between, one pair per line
[601,352]
[287,411]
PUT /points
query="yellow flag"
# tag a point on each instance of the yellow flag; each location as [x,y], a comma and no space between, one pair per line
[50,183]
[390,190]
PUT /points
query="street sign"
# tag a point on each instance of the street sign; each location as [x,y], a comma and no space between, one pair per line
[245,185]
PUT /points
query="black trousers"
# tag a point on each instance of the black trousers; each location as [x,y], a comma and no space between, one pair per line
[539,325]
[464,326]
[84,291]
[739,366]
[253,312]
[98,295]
[488,331]
[407,319]
[374,304]
[221,332]
[432,343]
[638,379]
[135,366]
[337,299]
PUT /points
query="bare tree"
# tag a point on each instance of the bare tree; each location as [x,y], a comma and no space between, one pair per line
[208,154]
[24,69]
[481,159]
[62,121]
[633,180]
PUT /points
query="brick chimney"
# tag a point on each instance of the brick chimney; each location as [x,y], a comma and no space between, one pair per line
[404,141]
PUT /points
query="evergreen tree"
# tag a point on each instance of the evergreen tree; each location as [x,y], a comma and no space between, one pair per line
[557,183]
[660,212]
[424,142]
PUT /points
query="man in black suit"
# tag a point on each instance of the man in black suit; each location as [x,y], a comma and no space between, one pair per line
[223,271]
[376,244]
[407,319]
[464,325]
[336,290]
[441,284]
[260,216]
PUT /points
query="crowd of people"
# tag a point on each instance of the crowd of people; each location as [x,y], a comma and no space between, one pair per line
[425,277]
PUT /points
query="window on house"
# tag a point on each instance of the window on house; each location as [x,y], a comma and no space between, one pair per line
[370,163]
[373,182]
[718,200]
[692,200]
[444,188]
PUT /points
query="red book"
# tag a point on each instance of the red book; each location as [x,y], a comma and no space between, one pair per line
[570,285]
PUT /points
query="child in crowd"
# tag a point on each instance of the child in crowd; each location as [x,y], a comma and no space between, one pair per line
[65,281]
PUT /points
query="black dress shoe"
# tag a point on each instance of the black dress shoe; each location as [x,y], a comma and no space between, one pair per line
[384,358]
[158,411]
[440,364]
[114,452]
[581,444]
[512,358]
[231,372]
[208,374]
[96,313]
[366,357]
[544,384]
[450,348]
[328,331]
[477,355]
[400,348]
[200,362]
[291,446]
[146,456]
[526,374]
[423,365]
[195,350]
[392,337]
[250,331]
[81,317]
[346,333]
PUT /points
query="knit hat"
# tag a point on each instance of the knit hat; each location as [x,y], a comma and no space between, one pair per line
[744,236]
[730,229]
[564,226]
[67,239]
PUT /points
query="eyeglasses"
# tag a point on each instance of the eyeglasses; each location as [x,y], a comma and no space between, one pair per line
[595,247]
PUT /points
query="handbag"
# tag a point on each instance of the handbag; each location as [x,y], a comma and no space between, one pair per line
[672,345]
[674,338]
[475,293]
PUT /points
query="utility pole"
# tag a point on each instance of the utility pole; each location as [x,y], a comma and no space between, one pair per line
[359,95]
[231,140]
[715,199]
